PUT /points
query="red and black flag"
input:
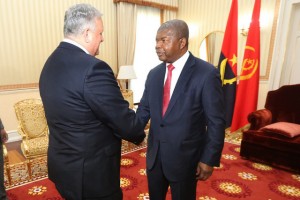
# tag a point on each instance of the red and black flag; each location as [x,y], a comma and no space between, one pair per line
[228,61]
[247,89]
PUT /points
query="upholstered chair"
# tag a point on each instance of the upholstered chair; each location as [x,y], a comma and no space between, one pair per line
[274,134]
[33,128]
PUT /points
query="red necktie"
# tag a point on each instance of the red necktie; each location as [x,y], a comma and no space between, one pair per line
[167,87]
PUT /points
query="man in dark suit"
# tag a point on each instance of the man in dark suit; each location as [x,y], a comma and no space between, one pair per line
[3,139]
[86,113]
[187,125]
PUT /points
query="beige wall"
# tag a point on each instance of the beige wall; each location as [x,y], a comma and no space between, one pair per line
[7,101]
[33,28]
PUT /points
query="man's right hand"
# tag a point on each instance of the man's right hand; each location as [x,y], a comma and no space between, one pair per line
[140,138]
[4,136]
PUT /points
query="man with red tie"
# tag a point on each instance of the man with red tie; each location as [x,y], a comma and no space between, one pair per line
[184,100]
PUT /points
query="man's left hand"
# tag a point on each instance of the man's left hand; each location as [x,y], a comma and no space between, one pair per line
[204,171]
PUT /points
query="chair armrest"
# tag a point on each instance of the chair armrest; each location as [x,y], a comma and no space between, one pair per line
[21,132]
[259,119]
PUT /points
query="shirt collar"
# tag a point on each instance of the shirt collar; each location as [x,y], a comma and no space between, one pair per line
[76,44]
[179,64]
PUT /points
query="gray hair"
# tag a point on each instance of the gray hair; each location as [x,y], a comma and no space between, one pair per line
[179,27]
[79,17]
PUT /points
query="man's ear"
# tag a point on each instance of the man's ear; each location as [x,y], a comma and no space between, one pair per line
[87,35]
[183,43]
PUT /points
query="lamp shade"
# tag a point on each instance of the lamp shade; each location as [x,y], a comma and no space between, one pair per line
[126,72]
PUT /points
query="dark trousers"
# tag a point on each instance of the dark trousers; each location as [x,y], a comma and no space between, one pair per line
[158,185]
[115,196]
[2,188]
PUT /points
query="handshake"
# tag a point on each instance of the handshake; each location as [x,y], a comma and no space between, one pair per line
[136,138]
[140,138]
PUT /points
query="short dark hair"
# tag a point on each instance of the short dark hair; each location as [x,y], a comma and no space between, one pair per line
[179,27]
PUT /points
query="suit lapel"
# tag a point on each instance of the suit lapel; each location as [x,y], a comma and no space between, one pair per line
[159,87]
[181,83]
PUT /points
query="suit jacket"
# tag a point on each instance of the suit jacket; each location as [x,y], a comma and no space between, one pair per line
[2,188]
[87,117]
[193,127]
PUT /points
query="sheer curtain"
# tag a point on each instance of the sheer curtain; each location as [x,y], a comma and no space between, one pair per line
[169,14]
[145,58]
[126,32]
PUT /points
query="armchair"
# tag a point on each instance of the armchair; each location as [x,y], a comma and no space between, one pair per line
[33,128]
[274,134]
[6,163]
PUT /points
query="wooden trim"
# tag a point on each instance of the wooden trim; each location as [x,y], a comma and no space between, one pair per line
[150,4]
[19,86]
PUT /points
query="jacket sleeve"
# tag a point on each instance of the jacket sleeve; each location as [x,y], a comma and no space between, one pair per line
[1,125]
[143,110]
[103,95]
[213,103]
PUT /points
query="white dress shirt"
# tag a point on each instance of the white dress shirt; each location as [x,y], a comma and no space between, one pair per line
[178,64]
[76,44]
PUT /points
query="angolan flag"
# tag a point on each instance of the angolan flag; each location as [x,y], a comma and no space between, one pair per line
[247,89]
[228,61]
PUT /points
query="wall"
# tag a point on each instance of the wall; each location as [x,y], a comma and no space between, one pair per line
[32,29]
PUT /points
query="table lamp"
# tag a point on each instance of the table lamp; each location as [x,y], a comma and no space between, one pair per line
[126,72]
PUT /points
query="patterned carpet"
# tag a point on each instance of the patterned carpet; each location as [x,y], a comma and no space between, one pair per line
[234,179]
[18,174]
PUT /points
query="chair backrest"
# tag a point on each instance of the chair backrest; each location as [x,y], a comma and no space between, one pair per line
[284,104]
[31,117]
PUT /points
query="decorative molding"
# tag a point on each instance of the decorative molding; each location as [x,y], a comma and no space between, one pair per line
[150,4]
[19,86]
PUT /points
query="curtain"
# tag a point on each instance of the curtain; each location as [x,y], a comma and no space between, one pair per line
[169,14]
[126,26]
[210,41]
[136,36]
[145,58]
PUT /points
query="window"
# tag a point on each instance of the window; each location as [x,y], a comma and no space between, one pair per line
[145,58]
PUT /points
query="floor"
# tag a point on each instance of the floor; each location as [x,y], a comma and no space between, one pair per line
[15,154]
